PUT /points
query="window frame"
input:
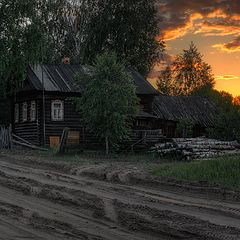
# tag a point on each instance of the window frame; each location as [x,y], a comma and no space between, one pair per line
[24,112]
[61,113]
[33,111]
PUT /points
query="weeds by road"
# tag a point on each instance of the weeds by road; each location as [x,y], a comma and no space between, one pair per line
[222,170]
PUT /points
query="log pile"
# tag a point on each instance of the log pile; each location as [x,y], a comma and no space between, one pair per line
[197,148]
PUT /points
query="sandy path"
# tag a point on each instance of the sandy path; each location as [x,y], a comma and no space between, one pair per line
[40,202]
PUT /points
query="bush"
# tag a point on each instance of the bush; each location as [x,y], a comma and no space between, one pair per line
[185,128]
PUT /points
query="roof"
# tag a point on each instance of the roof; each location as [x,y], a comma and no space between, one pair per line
[200,110]
[143,114]
[61,78]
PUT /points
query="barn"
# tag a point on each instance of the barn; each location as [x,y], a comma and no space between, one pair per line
[42,108]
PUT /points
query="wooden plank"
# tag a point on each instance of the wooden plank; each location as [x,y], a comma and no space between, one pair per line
[54,141]
[73,138]
[29,146]
[63,141]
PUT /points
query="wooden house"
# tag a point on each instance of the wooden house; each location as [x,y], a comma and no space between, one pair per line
[42,109]
[170,110]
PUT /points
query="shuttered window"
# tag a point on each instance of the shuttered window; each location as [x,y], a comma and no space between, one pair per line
[57,110]
[33,111]
[24,112]
[16,113]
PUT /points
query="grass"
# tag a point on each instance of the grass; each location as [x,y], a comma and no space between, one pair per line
[222,170]
[90,157]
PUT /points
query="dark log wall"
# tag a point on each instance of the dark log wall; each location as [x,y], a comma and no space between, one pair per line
[72,120]
[33,131]
[146,102]
[29,130]
[169,129]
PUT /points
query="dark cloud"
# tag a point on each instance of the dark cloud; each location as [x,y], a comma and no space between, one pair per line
[233,46]
[177,17]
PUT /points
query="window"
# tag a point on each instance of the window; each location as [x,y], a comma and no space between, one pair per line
[57,110]
[16,113]
[33,111]
[24,112]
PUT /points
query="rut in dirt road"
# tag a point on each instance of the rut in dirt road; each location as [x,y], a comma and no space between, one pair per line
[48,201]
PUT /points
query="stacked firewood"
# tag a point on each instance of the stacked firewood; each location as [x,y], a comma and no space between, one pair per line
[194,148]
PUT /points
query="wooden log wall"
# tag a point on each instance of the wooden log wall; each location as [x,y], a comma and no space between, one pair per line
[28,130]
[5,138]
[72,120]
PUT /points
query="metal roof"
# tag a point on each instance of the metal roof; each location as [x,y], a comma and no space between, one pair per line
[61,78]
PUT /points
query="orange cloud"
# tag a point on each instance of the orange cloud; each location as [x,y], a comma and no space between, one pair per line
[174,32]
[219,27]
[214,17]
[233,46]
[227,77]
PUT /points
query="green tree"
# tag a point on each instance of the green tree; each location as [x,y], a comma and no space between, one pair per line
[185,128]
[188,73]
[226,124]
[127,27]
[108,102]
[27,31]
[167,86]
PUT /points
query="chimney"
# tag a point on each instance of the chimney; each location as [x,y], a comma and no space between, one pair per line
[66,60]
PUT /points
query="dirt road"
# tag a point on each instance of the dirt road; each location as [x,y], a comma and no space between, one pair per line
[48,200]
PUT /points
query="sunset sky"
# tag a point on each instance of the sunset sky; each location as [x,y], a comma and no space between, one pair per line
[214,27]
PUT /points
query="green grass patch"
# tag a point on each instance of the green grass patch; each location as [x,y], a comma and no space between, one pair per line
[222,170]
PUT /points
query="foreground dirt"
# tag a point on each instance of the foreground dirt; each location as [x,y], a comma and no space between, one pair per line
[114,201]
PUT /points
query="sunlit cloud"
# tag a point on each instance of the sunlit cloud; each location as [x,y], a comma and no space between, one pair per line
[219,27]
[227,77]
[210,18]
[233,46]
[178,31]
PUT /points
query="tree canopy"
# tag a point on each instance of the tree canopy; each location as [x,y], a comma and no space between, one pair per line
[126,27]
[227,121]
[186,74]
[25,27]
[108,102]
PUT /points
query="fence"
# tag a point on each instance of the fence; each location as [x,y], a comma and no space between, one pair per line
[5,138]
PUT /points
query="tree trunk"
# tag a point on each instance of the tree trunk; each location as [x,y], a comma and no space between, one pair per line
[107,145]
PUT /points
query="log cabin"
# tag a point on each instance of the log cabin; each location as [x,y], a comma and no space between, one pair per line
[41,109]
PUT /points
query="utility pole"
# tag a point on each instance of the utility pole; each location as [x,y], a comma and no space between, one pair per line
[43,96]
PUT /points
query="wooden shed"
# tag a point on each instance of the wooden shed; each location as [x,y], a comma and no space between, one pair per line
[42,109]
[169,110]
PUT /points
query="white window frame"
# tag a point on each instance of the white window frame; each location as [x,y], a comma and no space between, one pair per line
[33,111]
[16,113]
[25,112]
[57,114]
